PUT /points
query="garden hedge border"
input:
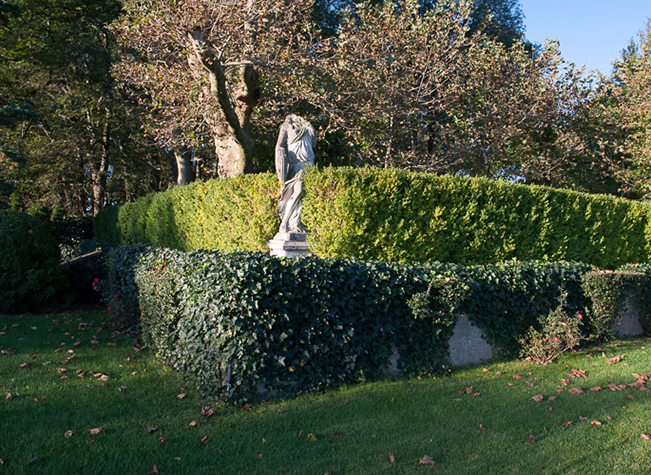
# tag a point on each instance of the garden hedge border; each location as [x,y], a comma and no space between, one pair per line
[393,215]
[296,325]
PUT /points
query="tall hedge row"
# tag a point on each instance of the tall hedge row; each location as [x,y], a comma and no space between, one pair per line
[228,215]
[396,216]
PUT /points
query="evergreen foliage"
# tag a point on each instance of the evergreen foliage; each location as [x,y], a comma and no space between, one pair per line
[29,271]
[393,215]
[296,325]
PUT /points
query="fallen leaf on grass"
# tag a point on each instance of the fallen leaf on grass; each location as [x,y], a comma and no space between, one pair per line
[485,370]
[565,382]
[205,439]
[180,396]
[616,359]
[538,397]
[427,460]
[32,461]
[39,399]
[24,365]
[476,394]
[481,427]
[164,439]
[7,352]
[246,407]
[67,434]
[311,437]
[552,398]
[596,388]
[517,376]
[510,384]
[630,397]
[392,458]
[259,456]
[645,436]
[646,390]
[529,384]
[583,418]
[336,434]
[560,390]
[194,423]
[207,411]
[122,388]
[62,370]
[110,343]
[11,395]
[531,438]
[568,423]
[153,470]
[151,429]
[97,430]
[577,390]
[498,373]
[346,401]
[595,422]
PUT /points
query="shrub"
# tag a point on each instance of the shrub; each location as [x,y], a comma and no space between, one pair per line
[395,216]
[30,274]
[401,216]
[118,289]
[292,325]
[557,333]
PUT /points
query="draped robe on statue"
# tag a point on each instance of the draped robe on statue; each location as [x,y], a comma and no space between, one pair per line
[294,152]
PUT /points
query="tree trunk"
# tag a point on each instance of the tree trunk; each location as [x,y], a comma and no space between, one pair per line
[101,173]
[232,122]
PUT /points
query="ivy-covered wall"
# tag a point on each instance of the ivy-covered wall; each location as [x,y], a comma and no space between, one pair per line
[305,324]
[395,216]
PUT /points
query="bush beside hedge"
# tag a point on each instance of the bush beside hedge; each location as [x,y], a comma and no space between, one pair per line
[396,216]
[30,275]
[321,322]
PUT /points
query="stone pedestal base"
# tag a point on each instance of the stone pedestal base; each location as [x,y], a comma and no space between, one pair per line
[289,245]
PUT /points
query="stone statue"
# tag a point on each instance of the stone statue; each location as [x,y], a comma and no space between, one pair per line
[294,152]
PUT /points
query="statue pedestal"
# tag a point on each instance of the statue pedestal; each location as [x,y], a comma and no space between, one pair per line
[289,245]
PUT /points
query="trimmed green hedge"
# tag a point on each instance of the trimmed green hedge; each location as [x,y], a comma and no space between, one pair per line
[396,216]
[292,325]
[228,215]
[297,325]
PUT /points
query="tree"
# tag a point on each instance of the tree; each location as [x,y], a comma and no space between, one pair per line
[202,67]
[626,106]
[57,58]
[417,90]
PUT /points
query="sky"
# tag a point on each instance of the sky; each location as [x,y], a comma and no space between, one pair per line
[591,32]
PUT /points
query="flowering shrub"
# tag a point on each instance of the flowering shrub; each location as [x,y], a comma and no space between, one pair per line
[558,333]
[119,291]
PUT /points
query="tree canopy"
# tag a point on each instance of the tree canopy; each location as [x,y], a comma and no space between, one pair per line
[102,101]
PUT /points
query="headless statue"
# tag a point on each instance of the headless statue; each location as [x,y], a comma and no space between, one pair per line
[294,152]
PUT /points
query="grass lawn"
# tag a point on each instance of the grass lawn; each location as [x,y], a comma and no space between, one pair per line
[384,427]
